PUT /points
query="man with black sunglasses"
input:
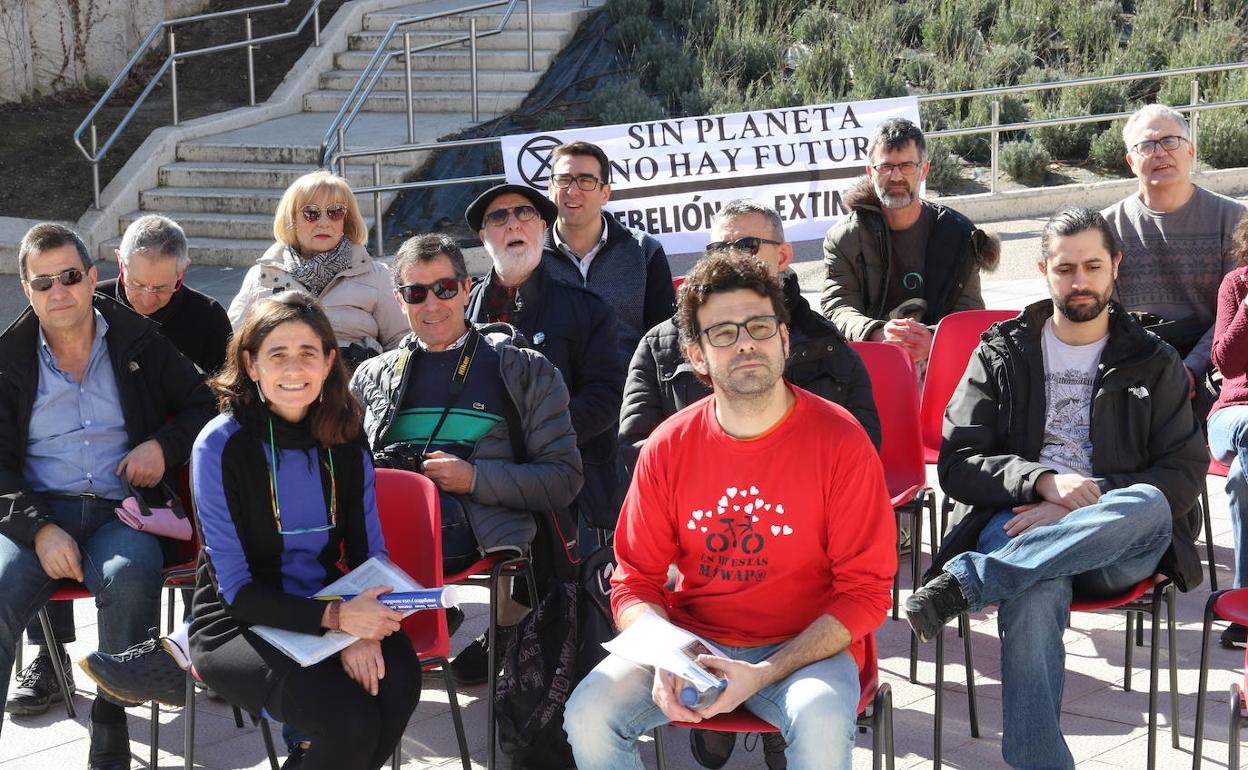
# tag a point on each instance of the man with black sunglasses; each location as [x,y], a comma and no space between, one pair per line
[897,264]
[87,387]
[586,247]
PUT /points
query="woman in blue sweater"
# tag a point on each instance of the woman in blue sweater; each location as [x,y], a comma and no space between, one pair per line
[283,486]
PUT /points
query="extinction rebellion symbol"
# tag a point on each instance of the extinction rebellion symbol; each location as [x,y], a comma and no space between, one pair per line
[533,161]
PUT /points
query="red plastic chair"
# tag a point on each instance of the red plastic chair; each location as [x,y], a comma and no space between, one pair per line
[875,713]
[677,281]
[411,522]
[1230,605]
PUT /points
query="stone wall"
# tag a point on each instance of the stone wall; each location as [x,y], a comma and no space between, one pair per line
[49,46]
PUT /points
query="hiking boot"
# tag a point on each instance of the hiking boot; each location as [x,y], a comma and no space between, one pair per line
[37,687]
[110,746]
[146,671]
[1235,636]
[471,667]
[934,605]
[711,748]
[294,757]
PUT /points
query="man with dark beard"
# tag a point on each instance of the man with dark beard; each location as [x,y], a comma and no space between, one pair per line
[1086,497]
[897,264]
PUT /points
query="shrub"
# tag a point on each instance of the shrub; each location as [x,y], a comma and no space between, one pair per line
[1025,22]
[619,10]
[1047,97]
[1026,162]
[745,55]
[949,31]
[695,18]
[871,40]
[1090,30]
[1231,10]
[1072,141]
[1108,152]
[624,103]
[1002,65]
[632,34]
[919,68]
[877,83]
[552,120]
[908,22]
[817,25]
[1223,139]
[945,172]
[823,76]
[1211,43]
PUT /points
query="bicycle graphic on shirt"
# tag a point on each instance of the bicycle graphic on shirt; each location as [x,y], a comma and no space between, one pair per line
[737,533]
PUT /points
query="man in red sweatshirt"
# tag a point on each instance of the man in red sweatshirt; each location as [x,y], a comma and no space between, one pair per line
[771,503]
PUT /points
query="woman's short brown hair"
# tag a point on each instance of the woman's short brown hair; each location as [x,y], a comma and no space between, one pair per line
[335,416]
[327,188]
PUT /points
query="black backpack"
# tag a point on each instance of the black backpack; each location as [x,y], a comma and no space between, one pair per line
[551,651]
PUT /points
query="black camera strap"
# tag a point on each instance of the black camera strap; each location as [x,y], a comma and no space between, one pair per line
[459,379]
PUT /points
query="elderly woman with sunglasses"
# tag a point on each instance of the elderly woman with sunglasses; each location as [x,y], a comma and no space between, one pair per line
[283,485]
[320,250]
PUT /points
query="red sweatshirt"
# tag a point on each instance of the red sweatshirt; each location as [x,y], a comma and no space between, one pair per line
[767,534]
[1230,339]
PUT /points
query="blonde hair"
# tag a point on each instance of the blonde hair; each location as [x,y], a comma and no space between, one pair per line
[308,188]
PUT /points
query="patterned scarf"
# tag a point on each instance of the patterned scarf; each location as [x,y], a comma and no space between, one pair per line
[317,271]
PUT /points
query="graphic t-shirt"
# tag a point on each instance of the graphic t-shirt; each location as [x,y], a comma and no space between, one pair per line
[909,248]
[766,534]
[1069,374]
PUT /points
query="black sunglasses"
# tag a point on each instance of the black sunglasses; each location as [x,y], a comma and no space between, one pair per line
[499,217]
[67,278]
[416,293]
[748,244]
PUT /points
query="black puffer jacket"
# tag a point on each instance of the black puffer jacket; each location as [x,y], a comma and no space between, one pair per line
[661,382]
[1142,430]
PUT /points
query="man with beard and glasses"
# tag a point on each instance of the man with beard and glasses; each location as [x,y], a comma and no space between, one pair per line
[897,264]
[1087,496]
[787,578]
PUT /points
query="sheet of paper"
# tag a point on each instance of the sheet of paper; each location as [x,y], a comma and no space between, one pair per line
[652,641]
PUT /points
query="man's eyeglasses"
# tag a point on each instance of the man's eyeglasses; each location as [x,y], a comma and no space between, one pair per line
[157,291]
[417,293]
[760,327]
[1150,146]
[886,169]
[749,244]
[587,182]
[312,212]
[499,217]
[67,278]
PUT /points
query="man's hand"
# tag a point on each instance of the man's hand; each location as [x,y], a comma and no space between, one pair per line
[58,553]
[450,473]
[1034,515]
[912,336]
[668,699]
[1191,383]
[144,466]
[1069,490]
[364,663]
[744,679]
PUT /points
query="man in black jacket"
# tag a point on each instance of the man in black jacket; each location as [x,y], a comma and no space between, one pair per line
[1089,495]
[86,390]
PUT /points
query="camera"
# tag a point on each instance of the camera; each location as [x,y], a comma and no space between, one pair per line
[402,456]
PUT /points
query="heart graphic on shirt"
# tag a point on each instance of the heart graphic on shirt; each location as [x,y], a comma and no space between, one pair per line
[732,491]
[736,507]
[753,490]
[723,502]
[754,519]
[703,529]
[758,502]
[779,508]
[692,525]
[720,510]
[749,507]
[787,529]
[775,529]
[767,506]
[697,515]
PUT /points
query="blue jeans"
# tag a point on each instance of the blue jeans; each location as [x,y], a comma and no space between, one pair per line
[1098,550]
[120,566]
[815,708]
[1228,443]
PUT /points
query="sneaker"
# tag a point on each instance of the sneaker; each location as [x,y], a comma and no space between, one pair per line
[773,749]
[471,667]
[294,757]
[37,687]
[144,672]
[934,605]
[1235,636]
[712,748]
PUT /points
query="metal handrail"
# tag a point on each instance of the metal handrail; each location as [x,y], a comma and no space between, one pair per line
[335,135]
[170,65]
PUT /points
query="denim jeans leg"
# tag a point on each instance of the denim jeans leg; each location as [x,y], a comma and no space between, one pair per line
[24,588]
[121,567]
[816,709]
[61,616]
[608,711]
[1123,524]
[1228,443]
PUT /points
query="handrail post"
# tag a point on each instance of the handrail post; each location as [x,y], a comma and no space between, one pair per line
[407,79]
[472,63]
[251,63]
[342,147]
[316,26]
[1194,116]
[528,20]
[996,140]
[95,168]
[173,74]
[381,244]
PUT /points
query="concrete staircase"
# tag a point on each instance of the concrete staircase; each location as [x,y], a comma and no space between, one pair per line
[224,188]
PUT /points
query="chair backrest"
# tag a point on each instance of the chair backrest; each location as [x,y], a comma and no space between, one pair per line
[677,281]
[956,338]
[869,674]
[896,390]
[411,523]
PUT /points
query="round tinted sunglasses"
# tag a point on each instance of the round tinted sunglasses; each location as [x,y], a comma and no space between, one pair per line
[416,293]
[499,217]
[748,245]
[312,212]
[67,278]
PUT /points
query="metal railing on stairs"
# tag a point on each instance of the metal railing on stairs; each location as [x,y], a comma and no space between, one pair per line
[167,30]
[334,142]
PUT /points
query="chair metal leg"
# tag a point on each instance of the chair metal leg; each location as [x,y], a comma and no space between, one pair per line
[394,761]
[1153,675]
[1139,629]
[939,718]
[1232,748]
[456,717]
[897,576]
[1128,664]
[659,755]
[877,735]
[154,743]
[1172,653]
[58,664]
[492,643]
[916,566]
[268,742]
[1204,504]
[965,620]
[1203,688]
[888,725]
[188,740]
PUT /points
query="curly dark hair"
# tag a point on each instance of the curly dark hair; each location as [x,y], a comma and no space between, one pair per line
[717,273]
[1239,242]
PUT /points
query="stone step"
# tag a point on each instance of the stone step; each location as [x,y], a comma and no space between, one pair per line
[487,80]
[206,224]
[451,59]
[228,252]
[207,151]
[492,103]
[260,175]
[543,40]
[381,20]
[229,200]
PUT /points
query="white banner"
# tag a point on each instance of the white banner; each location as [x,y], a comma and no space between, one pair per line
[668,177]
